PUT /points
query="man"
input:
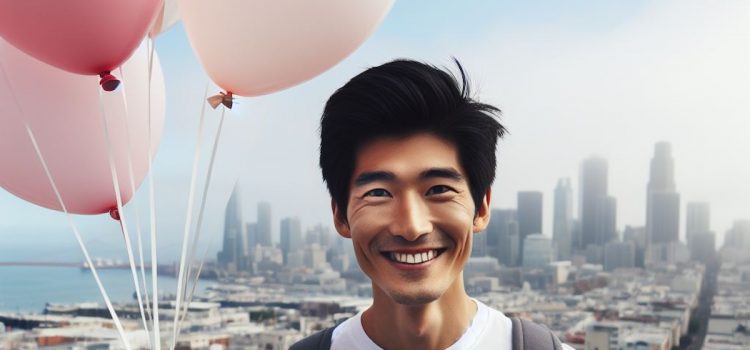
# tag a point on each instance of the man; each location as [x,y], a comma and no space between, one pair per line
[409,158]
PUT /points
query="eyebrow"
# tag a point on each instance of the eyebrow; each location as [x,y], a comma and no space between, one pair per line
[443,173]
[373,176]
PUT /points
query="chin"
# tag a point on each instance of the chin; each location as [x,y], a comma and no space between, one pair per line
[414,297]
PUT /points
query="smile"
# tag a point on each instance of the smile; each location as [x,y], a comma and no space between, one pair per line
[414,258]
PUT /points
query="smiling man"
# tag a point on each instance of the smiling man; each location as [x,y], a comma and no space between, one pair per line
[409,158]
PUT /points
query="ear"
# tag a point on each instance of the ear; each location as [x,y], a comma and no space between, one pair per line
[482,218]
[339,221]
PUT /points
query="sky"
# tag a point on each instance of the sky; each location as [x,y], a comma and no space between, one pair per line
[573,79]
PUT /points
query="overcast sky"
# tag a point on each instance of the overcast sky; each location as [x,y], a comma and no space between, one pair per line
[573,78]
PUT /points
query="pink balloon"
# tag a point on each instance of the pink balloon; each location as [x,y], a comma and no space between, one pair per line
[255,47]
[64,113]
[80,36]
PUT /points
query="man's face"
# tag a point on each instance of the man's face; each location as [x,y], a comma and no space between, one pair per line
[411,216]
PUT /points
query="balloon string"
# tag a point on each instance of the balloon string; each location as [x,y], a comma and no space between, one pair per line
[134,202]
[188,220]
[198,272]
[73,226]
[205,195]
[118,197]
[152,212]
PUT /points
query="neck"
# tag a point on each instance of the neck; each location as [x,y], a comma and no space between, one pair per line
[434,325]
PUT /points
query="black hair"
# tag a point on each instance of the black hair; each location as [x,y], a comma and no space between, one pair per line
[400,98]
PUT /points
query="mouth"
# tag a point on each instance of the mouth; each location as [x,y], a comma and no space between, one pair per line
[413,258]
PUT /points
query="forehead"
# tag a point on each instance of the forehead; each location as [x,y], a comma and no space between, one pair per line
[407,156]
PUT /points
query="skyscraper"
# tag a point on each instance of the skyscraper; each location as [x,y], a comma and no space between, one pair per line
[479,244]
[662,201]
[607,221]
[264,236]
[234,247]
[529,215]
[502,237]
[737,242]
[703,247]
[252,235]
[636,235]
[697,220]
[594,201]
[537,251]
[291,236]
[562,224]
[619,255]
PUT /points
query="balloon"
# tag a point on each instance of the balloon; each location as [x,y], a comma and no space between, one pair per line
[80,36]
[167,17]
[64,113]
[255,47]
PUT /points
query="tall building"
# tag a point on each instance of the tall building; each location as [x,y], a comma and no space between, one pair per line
[537,251]
[291,237]
[637,236]
[663,225]
[502,237]
[619,255]
[529,215]
[594,202]
[703,247]
[479,244]
[252,235]
[697,220]
[562,223]
[264,231]
[662,200]
[739,235]
[235,245]
[322,235]
[737,242]
[607,221]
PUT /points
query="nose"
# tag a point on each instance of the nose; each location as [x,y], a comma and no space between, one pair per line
[412,217]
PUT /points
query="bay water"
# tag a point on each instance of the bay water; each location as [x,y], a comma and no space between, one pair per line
[28,289]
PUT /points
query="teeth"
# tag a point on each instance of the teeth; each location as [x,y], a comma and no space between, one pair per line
[417,258]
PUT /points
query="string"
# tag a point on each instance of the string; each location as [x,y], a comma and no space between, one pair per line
[188,220]
[134,203]
[121,212]
[205,195]
[152,213]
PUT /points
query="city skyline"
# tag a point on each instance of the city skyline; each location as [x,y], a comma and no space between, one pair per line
[570,84]
[592,234]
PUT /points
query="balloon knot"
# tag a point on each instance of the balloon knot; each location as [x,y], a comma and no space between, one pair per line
[108,81]
[223,98]
[115,214]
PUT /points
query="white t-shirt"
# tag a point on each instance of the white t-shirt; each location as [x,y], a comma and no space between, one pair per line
[490,329]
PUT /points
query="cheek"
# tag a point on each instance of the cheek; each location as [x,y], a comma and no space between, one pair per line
[454,218]
[367,221]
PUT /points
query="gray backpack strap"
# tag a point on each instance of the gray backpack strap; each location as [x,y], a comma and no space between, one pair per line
[317,341]
[528,335]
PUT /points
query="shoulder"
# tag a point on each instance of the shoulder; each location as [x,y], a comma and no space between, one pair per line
[524,331]
[535,336]
[495,319]
[320,340]
[490,329]
[347,335]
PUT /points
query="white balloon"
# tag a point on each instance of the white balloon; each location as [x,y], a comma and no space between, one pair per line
[168,17]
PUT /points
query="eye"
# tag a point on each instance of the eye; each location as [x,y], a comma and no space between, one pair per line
[378,192]
[439,189]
